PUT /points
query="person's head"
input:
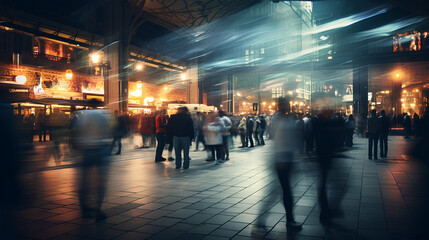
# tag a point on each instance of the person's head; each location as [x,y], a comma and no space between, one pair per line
[373,112]
[382,112]
[283,105]
[351,117]
[221,113]
[116,113]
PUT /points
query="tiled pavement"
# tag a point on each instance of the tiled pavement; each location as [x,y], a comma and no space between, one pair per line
[148,200]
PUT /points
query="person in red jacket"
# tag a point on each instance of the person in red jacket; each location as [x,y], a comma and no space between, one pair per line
[161,128]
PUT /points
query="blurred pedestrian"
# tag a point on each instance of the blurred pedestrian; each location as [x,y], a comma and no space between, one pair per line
[384,132]
[308,133]
[242,132]
[41,122]
[350,128]
[213,128]
[169,139]
[285,150]
[262,128]
[227,124]
[249,127]
[161,128]
[199,130]
[373,134]
[94,136]
[256,127]
[146,130]
[183,132]
[119,131]
[407,125]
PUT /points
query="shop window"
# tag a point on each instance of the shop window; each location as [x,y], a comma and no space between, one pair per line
[277,92]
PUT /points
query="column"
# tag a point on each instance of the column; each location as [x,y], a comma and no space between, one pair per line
[117,55]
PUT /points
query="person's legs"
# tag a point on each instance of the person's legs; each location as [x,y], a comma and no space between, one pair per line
[160,147]
[370,142]
[178,150]
[225,150]
[186,145]
[375,146]
[261,136]
[119,146]
[256,138]
[385,145]
[249,134]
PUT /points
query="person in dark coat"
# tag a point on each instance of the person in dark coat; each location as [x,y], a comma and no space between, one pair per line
[262,128]
[183,131]
[373,134]
[119,131]
[384,132]
[249,128]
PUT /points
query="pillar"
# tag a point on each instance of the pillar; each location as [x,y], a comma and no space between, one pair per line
[230,93]
[360,92]
[116,55]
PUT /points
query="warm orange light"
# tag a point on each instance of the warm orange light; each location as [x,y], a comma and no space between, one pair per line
[264,103]
[183,76]
[95,57]
[239,94]
[402,99]
[69,74]
[244,103]
[397,75]
[273,103]
[165,88]
[139,67]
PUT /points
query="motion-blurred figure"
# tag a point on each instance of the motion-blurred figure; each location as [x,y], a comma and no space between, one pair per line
[161,128]
[373,134]
[326,131]
[407,125]
[93,135]
[249,127]
[213,128]
[199,122]
[146,130]
[350,129]
[9,170]
[262,128]
[242,132]
[308,133]
[119,131]
[285,150]
[225,134]
[384,132]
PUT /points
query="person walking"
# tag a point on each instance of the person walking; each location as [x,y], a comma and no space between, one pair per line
[384,132]
[169,139]
[227,124]
[119,132]
[161,126]
[242,132]
[213,128]
[199,129]
[407,125]
[373,134]
[284,158]
[146,129]
[308,133]
[262,127]
[183,131]
[249,128]
[350,126]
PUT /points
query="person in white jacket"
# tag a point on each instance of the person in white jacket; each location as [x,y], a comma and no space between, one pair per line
[213,128]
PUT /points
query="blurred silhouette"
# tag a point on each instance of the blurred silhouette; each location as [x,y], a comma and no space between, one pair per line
[242,132]
[262,128]
[183,131]
[161,128]
[119,131]
[373,134]
[93,138]
[350,126]
[225,134]
[9,170]
[384,132]
[326,131]
[249,127]
[308,133]
[213,128]
[285,151]
[146,130]
[407,125]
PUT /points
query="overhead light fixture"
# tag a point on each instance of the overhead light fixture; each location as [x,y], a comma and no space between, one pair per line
[183,76]
[95,57]
[139,67]
[20,79]
[69,74]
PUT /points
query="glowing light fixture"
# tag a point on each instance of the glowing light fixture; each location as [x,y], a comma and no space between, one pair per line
[69,74]
[239,94]
[397,75]
[273,103]
[165,88]
[139,67]
[20,79]
[95,58]
[264,103]
[183,76]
